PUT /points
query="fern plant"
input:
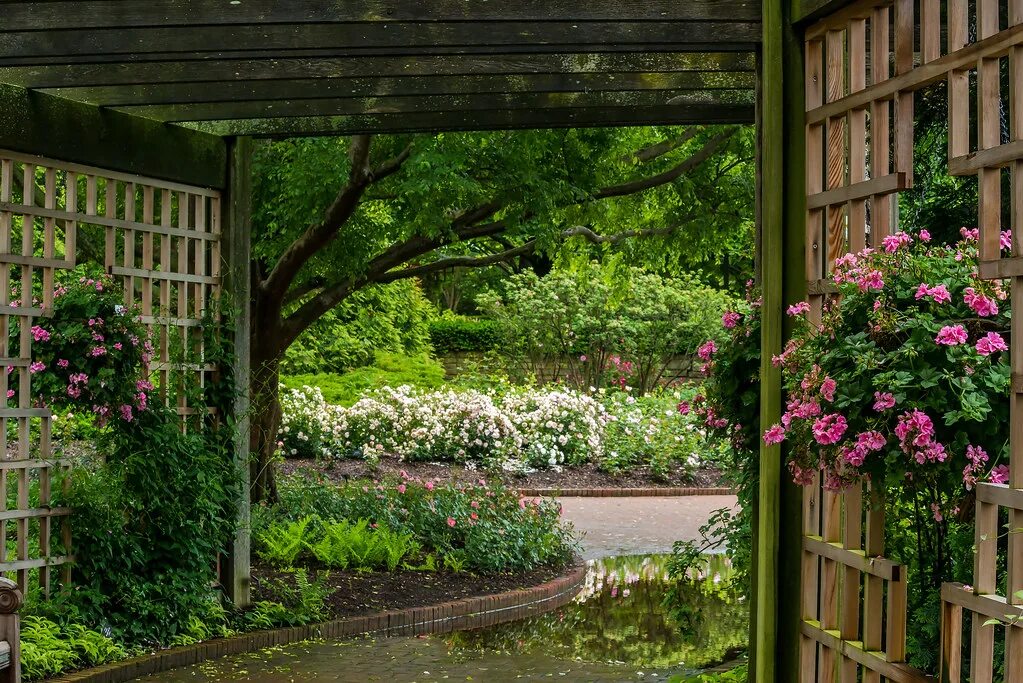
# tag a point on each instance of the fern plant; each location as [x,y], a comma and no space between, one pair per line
[281,544]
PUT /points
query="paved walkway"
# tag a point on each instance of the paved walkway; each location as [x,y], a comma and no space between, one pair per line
[637,526]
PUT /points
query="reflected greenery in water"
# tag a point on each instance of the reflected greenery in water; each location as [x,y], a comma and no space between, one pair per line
[623,615]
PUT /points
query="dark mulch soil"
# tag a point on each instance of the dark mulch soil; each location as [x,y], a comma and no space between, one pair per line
[583,476]
[358,594]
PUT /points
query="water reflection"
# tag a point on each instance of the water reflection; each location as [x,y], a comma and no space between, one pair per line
[618,629]
[621,617]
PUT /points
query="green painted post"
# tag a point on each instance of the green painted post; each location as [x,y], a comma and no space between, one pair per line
[237,210]
[772,169]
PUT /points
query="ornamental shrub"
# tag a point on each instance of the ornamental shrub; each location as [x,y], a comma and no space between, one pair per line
[905,382]
[582,325]
[387,370]
[92,354]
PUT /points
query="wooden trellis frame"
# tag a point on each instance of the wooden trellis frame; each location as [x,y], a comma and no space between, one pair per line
[162,240]
[846,117]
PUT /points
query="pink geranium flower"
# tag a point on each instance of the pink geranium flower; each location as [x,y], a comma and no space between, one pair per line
[707,350]
[990,343]
[730,319]
[799,308]
[828,387]
[829,429]
[983,305]
[883,401]
[999,474]
[774,435]
[39,334]
[951,335]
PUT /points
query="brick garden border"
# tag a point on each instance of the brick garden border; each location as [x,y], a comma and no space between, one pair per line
[474,612]
[627,492]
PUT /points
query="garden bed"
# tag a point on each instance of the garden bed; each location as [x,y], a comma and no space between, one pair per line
[585,476]
[360,593]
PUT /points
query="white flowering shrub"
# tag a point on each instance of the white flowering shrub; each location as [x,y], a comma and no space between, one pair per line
[557,427]
[519,429]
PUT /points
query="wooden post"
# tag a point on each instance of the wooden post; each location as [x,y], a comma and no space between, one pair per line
[11,600]
[772,174]
[237,253]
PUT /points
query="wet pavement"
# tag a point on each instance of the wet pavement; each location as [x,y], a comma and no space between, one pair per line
[641,525]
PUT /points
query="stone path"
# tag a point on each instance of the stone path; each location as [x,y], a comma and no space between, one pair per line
[636,526]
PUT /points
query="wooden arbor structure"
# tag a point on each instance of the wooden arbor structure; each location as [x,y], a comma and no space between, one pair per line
[143,109]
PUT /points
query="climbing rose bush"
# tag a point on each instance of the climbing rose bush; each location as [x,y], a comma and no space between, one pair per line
[91,355]
[905,381]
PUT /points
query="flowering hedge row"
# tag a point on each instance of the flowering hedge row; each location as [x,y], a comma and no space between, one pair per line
[515,429]
[905,380]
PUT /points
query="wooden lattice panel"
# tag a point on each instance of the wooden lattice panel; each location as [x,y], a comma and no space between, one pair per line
[162,240]
[926,42]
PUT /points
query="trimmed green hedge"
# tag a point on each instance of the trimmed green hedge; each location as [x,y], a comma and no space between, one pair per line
[388,369]
[453,335]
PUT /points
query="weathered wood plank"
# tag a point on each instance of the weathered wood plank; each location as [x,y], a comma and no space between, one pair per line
[41,124]
[84,74]
[66,14]
[309,88]
[440,103]
[482,120]
[283,40]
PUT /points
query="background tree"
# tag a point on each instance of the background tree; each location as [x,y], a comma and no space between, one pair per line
[412,206]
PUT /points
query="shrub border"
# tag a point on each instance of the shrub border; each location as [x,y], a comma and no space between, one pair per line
[625,492]
[474,612]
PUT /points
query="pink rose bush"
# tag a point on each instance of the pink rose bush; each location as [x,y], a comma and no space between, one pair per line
[91,355]
[905,381]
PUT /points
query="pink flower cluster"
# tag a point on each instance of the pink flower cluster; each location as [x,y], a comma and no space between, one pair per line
[991,343]
[708,349]
[828,429]
[982,305]
[915,431]
[883,401]
[951,335]
[893,243]
[730,319]
[798,309]
[866,443]
[939,293]
[40,334]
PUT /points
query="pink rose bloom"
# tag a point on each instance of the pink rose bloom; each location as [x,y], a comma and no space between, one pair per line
[707,350]
[925,236]
[730,319]
[829,429]
[951,335]
[883,401]
[774,435]
[798,309]
[828,387]
[991,343]
[451,521]
[10,393]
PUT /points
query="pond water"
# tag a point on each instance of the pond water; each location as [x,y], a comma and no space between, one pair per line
[617,629]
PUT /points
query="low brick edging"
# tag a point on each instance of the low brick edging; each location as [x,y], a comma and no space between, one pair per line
[457,615]
[627,493]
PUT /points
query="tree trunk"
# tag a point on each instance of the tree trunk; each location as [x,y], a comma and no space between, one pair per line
[266,415]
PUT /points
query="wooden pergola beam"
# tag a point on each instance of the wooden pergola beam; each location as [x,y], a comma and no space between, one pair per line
[423,122]
[82,74]
[279,41]
[49,15]
[396,86]
[439,104]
